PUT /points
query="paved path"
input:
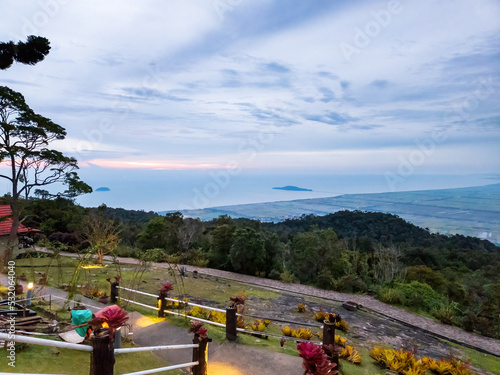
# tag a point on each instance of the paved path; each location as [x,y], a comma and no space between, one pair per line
[223,358]
[430,326]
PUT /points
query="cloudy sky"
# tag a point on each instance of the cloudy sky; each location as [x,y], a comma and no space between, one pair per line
[298,87]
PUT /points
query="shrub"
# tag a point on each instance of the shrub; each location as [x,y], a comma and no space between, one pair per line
[350,354]
[406,363]
[352,284]
[301,333]
[445,314]
[287,277]
[324,279]
[390,295]
[126,251]
[258,325]
[399,361]
[301,308]
[155,255]
[320,316]
[426,275]
[420,295]
[274,274]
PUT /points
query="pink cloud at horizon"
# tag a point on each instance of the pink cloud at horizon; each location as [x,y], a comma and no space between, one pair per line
[147,164]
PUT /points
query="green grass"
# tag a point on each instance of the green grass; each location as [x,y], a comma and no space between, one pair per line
[50,360]
[484,361]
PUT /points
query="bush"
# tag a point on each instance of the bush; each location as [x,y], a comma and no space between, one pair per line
[352,284]
[422,296]
[390,295]
[155,255]
[445,314]
[126,251]
[426,275]
[287,277]
[324,279]
[274,274]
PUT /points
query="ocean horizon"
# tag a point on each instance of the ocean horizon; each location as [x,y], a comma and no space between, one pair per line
[181,190]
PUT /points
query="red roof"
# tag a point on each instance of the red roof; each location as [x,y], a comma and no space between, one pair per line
[6,222]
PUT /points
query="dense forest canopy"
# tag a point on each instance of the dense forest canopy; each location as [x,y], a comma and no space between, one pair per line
[454,278]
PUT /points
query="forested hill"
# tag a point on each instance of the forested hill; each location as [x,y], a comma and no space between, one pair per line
[387,229]
[470,211]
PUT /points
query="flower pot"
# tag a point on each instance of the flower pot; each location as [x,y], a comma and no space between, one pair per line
[18,289]
[104,300]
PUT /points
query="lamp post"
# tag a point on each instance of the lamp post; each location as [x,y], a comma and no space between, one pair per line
[29,294]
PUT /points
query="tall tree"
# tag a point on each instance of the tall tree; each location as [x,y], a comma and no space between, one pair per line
[248,254]
[101,233]
[30,52]
[25,137]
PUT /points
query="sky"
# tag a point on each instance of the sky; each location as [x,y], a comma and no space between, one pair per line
[155,91]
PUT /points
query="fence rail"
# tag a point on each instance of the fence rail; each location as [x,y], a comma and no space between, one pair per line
[152,348]
[173,299]
[173,367]
[45,342]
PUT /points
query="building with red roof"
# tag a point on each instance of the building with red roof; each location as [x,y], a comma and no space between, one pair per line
[6,222]
[6,226]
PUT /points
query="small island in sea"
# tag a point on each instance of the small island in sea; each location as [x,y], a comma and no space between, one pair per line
[291,188]
[103,188]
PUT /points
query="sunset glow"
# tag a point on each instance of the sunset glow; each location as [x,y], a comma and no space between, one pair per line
[151,165]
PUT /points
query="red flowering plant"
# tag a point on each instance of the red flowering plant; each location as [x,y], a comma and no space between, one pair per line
[238,301]
[112,317]
[315,360]
[117,278]
[165,288]
[197,328]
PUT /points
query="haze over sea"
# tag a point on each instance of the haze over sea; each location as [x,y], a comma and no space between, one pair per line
[173,190]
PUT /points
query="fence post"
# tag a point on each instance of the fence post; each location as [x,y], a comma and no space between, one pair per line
[114,291]
[200,355]
[328,333]
[162,304]
[102,358]
[329,339]
[231,323]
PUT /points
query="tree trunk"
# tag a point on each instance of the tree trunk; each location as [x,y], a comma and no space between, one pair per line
[12,240]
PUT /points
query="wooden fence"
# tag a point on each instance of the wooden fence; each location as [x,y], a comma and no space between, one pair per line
[231,317]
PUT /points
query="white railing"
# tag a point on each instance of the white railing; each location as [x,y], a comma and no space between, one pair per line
[44,342]
[160,369]
[173,299]
[151,348]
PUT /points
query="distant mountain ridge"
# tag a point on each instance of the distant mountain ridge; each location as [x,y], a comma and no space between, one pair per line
[470,211]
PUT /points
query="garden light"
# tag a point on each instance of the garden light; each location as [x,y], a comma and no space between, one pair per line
[29,294]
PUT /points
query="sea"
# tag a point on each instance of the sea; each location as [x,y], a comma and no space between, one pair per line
[176,190]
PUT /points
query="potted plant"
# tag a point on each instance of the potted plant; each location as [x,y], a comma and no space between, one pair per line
[103,298]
